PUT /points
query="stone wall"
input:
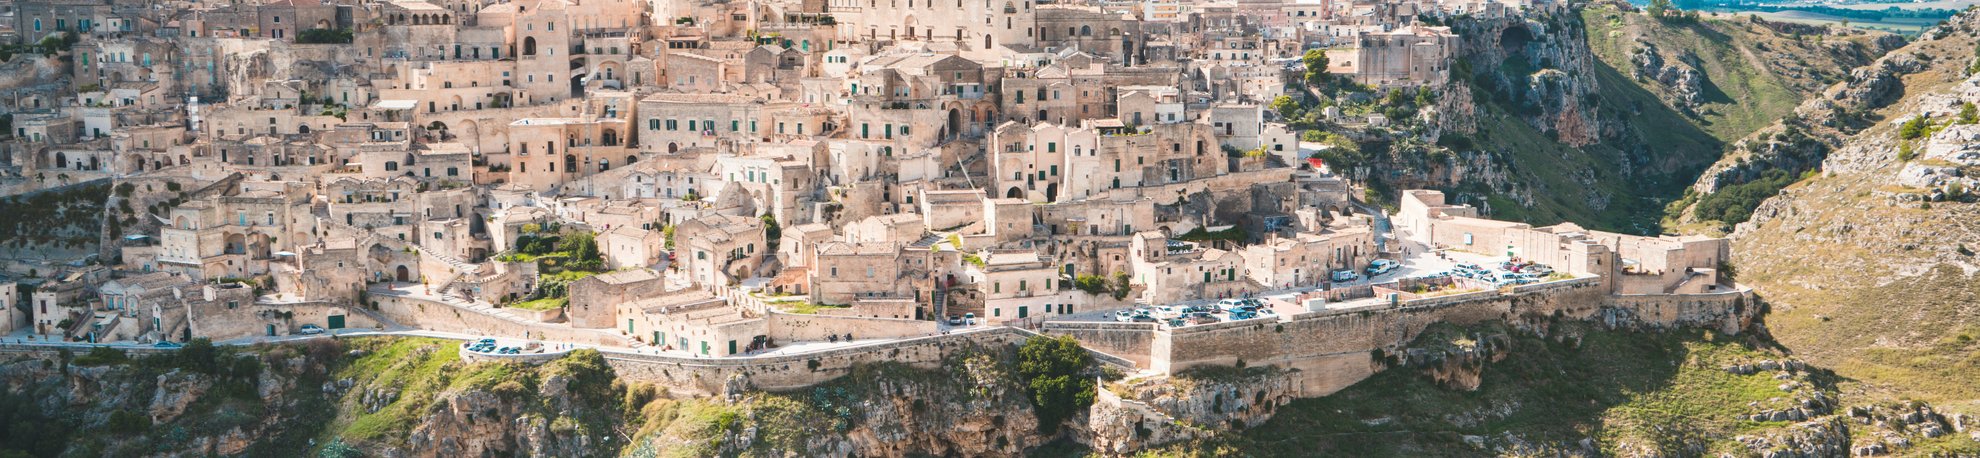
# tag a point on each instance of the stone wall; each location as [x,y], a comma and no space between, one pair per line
[1334,348]
[1130,341]
[710,376]
[790,327]
[436,316]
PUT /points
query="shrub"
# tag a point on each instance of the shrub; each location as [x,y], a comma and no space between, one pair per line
[99,356]
[1059,387]
[324,36]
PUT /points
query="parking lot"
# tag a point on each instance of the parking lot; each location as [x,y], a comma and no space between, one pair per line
[1419,262]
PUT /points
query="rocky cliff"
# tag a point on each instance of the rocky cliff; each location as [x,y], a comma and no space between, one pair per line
[1869,263]
[1601,115]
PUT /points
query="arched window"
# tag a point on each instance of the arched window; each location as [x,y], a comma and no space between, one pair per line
[570,163]
[529,46]
[1085,30]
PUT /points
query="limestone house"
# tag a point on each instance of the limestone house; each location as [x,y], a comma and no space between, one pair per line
[692,72]
[1307,258]
[696,322]
[719,250]
[800,242]
[631,246]
[142,303]
[899,227]
[595,299]
[235,235]
[671,122]
[842,272]
[1174,271]
[1144,105]
[1019,285]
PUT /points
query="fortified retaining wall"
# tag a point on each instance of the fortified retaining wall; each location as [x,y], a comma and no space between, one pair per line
[437,316]
[1130,341]
[1334,348]
[711,376]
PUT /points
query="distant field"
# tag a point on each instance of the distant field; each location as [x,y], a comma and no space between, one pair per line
[1940,4]
[1903,25]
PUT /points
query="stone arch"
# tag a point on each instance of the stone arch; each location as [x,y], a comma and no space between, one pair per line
[235,244]
[529,46]
[1014,193]
[1085,30]
[258,246]
[403,275]
[955,126]
[469,132]
[609,137]
[61,160]
[137,163]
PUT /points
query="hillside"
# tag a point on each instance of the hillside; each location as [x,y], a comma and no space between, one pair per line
[1869,264]
[1604,117]
[1588,392]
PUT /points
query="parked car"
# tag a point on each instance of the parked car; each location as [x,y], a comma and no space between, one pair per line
[1168,311]
[1228,304]
[955,320]
[1124,316]
[1201,318]
[1345,275]
[166,344]
[312,329]
[1381,266]
[969,319]
[1146,319]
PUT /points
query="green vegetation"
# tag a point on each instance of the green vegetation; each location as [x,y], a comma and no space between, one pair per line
[806,307]
[548,303]
[1234,234]
[64,218]
[1316,67]
[1659,391]
[324,36]
[421,370]
[1056,368]
[1734,204]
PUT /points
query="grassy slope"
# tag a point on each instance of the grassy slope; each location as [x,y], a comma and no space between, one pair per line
[1551,168]
[1742,95]
[1616,387]
[1628,391]
[1876,291]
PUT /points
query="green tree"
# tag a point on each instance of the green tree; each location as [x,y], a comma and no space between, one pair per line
[1658,8]
[1286,107]
[1914,128]
[582,248]
[1056,368]
[1316,66]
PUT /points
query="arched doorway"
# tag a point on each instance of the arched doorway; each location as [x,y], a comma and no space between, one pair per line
[1014,193]
[955,123]
[62,160]
[529,46]
[405,275]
